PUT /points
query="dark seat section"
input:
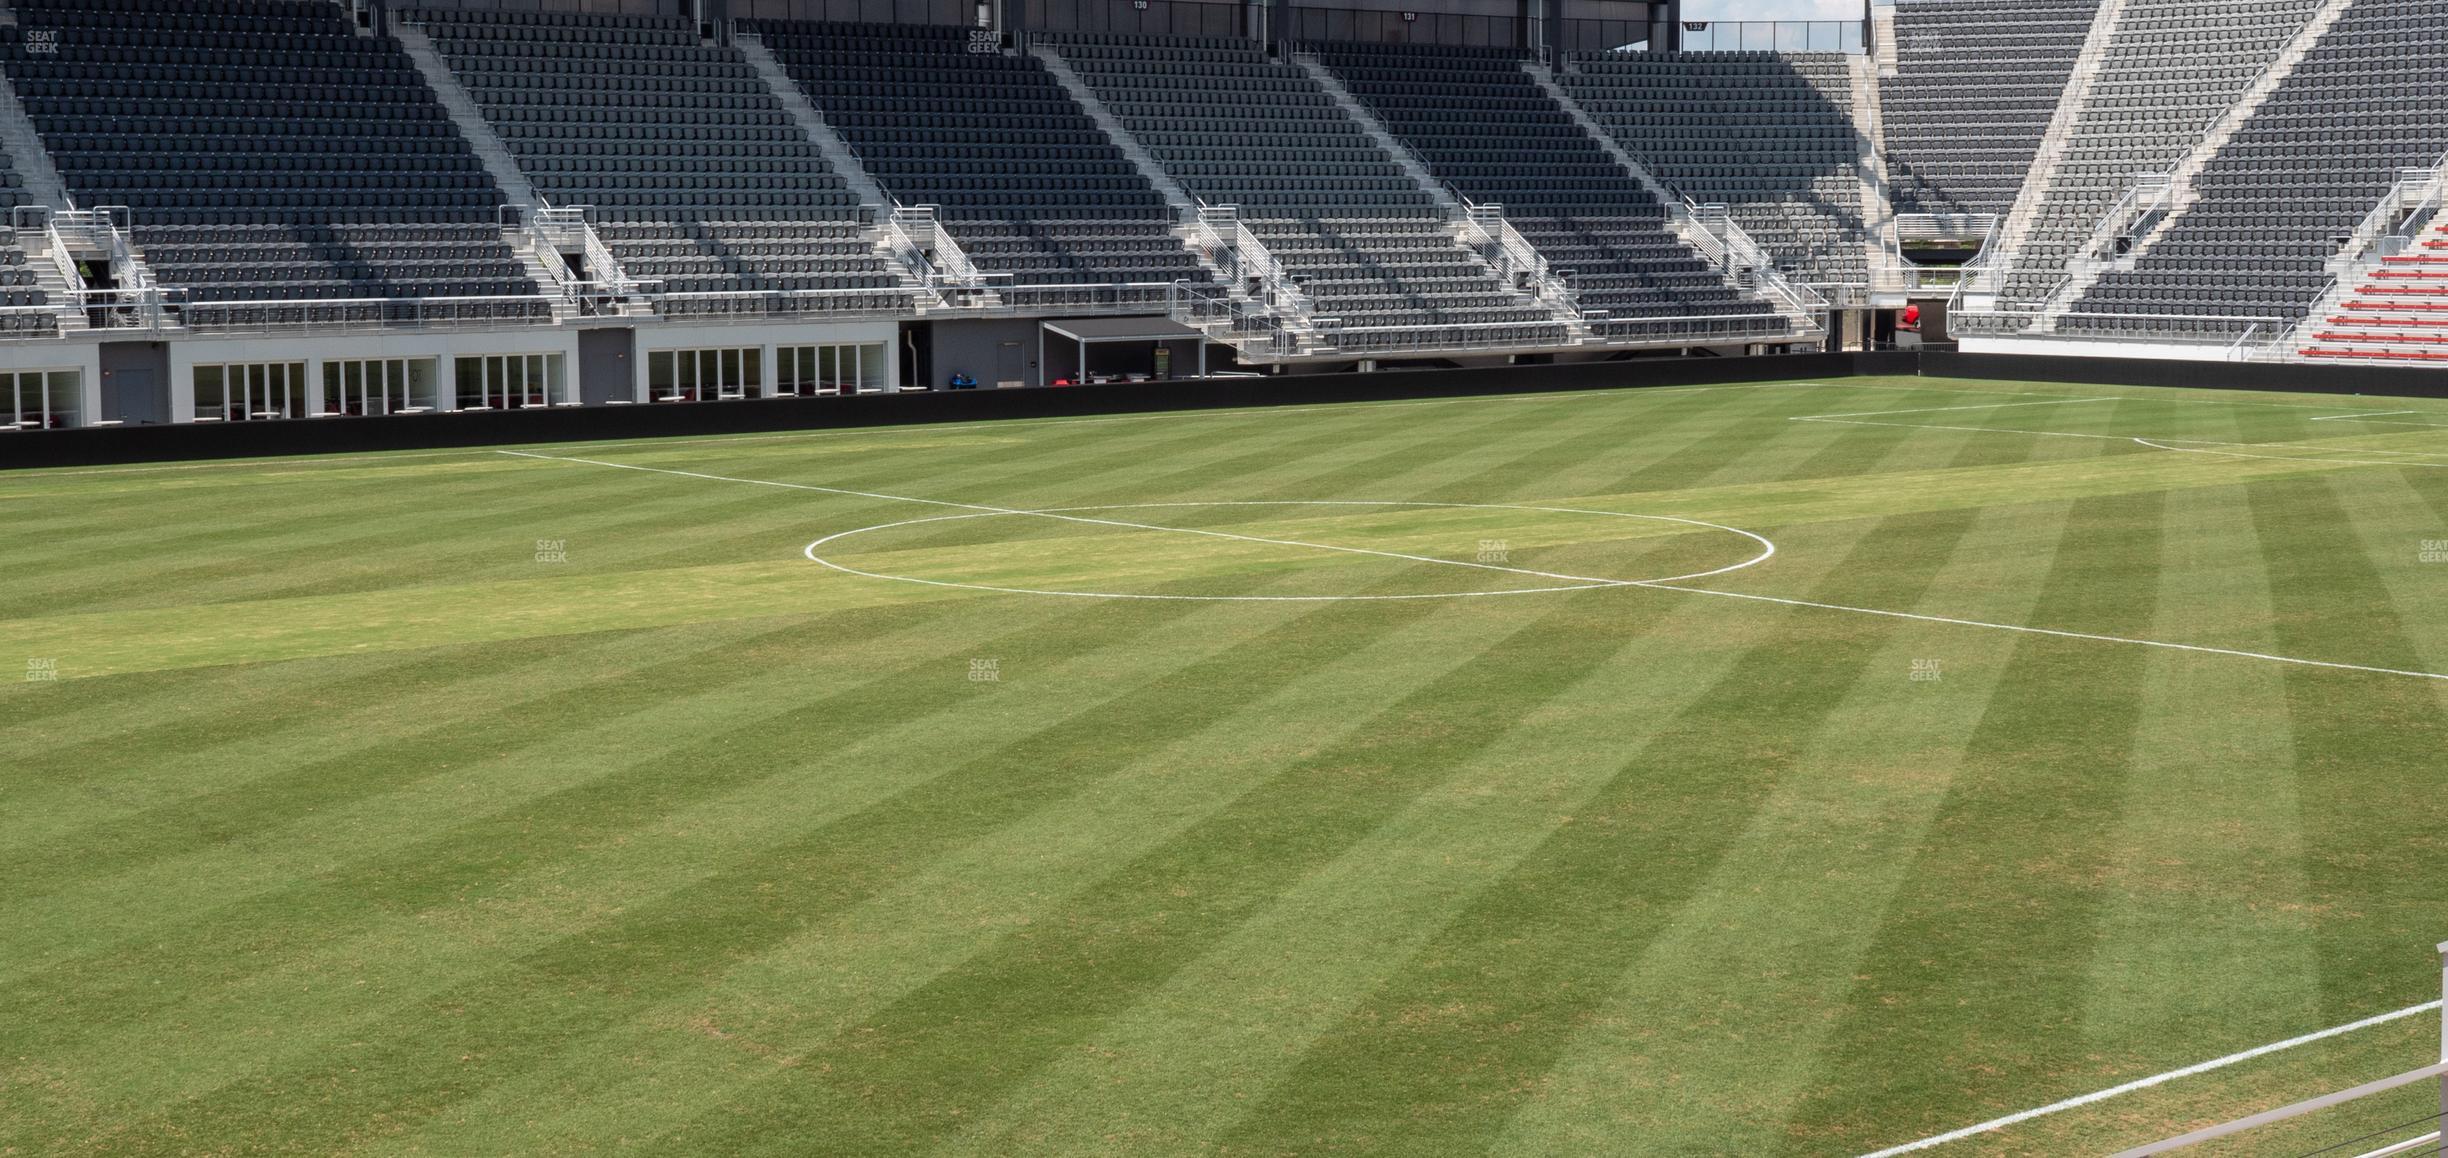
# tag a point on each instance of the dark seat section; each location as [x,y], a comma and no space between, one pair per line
[1770,135]
[2300,175]
[2167,72]
[1375,253]
[1976,83]
[1027,183]
[1488,131]
[699,178]
[267,152]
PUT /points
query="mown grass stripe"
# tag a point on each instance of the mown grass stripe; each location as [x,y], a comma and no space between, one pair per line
[83,883]
[1446,1050]
[903,644]
[224,557]
[1970,1002]
[2368,761]
[903,1081]
[1297,967]
[273,722]
[2209,840]
[842,967]
[671,938]
[1708,1040]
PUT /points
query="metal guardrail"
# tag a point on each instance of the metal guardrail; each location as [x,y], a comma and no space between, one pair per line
[45,321]
[2118,236]
[919,227]
[1711,228]
[274,315]
[1515,260]
[1844,36]
[1705,330]
[559,226]
[843,303]
[2157,329]
[2409,209]
[2428,1143]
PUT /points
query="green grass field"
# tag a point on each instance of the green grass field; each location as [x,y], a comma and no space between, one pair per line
[470,803]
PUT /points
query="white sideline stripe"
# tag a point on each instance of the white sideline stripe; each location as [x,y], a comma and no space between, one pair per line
[2156,1079]
[2367,415]
[1576,579]
[1981,406]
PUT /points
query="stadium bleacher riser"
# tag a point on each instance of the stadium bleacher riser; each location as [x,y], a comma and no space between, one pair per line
[1374,250]
[2303,172]
[1486,130]
[2170,70]
[1975,86]
[266,152]
[1770,135]
[700,181]
[1028,185]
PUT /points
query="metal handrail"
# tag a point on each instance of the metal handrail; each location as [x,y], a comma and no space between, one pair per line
[2405,211]
[558,225]
[385,313]
[1511,254]
[950,266]
[2283,1113]
[2170,330]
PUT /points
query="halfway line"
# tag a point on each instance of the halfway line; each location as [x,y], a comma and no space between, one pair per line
[2260,655]
[1122,523]
[1577,579]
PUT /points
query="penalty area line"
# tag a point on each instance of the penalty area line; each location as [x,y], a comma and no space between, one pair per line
[1995,1124]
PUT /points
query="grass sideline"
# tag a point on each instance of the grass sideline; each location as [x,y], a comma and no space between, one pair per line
[466,802]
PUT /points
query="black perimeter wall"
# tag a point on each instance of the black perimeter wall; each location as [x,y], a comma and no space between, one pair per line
[133,444]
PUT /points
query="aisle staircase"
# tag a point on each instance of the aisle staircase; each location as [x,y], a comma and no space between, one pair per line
[2391,300]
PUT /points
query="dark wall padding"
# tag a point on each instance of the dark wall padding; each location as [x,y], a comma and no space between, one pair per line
[2293,377]
[502,428]
[499,428]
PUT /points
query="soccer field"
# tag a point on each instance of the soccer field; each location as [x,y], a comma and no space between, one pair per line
[1782,770]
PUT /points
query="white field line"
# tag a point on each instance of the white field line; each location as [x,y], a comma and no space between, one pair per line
[2282,457]
[1767,551]
[983,508]
[1973,429]
[1578,580]
[2151,444]
[2155,1079]
[2082,635]
[1979,406]
[2366,416]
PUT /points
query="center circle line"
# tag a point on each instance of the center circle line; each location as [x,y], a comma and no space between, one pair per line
[1073,514]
